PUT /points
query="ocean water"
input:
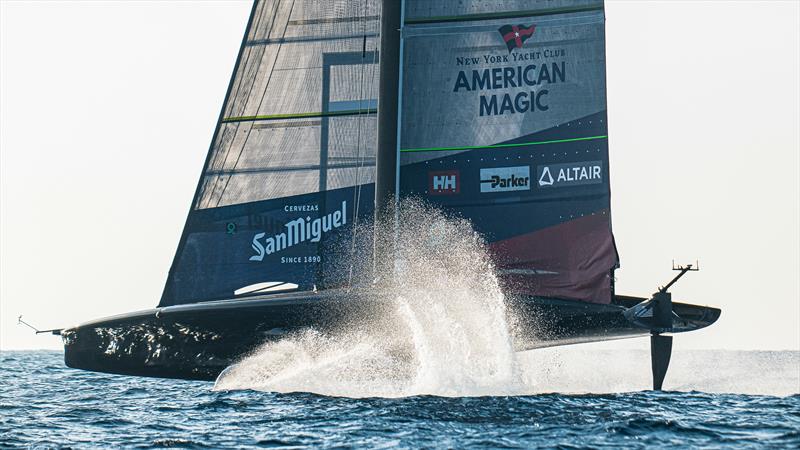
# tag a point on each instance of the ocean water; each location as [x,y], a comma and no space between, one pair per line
[435,369]
[46,405]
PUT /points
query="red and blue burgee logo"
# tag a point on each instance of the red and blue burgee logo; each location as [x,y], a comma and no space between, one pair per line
[515,35]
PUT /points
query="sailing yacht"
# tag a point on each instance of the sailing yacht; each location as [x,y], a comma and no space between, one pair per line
[494,111]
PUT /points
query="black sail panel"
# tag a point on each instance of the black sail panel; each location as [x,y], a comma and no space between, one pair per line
[291,164]
[504,122]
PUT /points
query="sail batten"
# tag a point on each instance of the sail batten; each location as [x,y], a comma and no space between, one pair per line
[352,112]
[504,15]
[501,146]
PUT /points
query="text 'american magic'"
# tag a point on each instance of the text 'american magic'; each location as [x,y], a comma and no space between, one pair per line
[512,77]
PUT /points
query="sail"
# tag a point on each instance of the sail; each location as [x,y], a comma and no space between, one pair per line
[504,123]
[291,163]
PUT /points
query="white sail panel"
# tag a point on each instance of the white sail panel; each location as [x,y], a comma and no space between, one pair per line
[301,107]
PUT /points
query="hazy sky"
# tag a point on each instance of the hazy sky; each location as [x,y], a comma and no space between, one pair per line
[108,110]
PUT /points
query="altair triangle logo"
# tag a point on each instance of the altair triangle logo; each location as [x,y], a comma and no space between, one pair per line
[546,179]
[516,35]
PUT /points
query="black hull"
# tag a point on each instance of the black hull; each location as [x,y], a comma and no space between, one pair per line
[198,341]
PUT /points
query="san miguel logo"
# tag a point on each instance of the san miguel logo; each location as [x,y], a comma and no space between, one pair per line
[298,231]
[516,35]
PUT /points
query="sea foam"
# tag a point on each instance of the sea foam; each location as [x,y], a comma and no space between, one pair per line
[444,332]
[447,331]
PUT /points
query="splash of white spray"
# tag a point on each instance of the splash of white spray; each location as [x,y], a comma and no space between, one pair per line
[444,332]
[447,332]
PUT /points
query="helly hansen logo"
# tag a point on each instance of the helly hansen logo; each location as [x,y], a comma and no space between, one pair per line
[444,182]
[572,174]
[504,179]
[516,35]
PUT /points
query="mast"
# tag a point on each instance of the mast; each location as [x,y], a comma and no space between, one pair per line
[387,152]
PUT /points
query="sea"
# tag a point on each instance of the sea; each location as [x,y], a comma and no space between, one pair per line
[715,399]
[439,369]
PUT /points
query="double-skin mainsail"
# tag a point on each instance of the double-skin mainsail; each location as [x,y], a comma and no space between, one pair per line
[502,121]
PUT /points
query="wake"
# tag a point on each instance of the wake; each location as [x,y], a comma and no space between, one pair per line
[447,331]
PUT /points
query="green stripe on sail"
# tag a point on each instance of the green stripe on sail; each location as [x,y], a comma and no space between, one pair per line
[519,144]
[308,115]
[504,15]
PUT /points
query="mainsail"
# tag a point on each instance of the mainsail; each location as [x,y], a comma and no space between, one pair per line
[291,162]
[504,122]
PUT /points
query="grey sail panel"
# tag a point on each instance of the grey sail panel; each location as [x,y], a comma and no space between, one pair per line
[291,163]
[438,54]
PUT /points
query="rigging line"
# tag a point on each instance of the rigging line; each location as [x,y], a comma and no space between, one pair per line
[301,115]
[243,69]
[359,184]
[357,190]
[266,86]
[360,108]
[357,187]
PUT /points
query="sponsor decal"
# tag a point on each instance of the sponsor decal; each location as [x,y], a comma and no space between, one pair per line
[516,35]
[531,77]
[444,182]
[571,174]
[230,228]
[505,179]
[298,231]
[301,208]
[519,82]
